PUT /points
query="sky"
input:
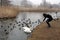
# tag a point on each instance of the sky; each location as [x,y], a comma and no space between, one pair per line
[53,1]
[50,1]
[36,2]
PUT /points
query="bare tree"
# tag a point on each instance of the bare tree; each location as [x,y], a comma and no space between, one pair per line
[26,3]
[44,3]
[4,2]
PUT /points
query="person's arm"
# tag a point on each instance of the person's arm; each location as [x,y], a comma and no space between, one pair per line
[44,18]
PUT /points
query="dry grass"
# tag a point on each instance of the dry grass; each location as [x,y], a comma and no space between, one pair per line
[8,12]
[41,9]
[12,11]
[42,32]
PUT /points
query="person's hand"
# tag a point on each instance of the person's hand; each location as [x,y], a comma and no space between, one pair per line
[43,21]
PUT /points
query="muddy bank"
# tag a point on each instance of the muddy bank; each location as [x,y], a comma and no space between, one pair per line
[42,32]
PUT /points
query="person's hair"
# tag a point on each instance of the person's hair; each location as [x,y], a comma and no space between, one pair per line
[44,14]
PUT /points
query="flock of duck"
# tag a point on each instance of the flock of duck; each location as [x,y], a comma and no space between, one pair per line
[7,25]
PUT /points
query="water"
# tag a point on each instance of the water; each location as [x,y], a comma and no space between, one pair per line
[17,34]
[10,29]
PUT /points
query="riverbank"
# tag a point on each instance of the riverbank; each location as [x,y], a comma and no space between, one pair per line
[42,32]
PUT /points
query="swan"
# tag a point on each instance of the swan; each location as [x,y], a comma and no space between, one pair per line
[27,30]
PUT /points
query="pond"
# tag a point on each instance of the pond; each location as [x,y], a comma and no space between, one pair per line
[11,29]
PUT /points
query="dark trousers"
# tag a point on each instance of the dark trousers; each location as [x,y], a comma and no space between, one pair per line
[48,20]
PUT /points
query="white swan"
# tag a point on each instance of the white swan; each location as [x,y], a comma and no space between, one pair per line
[27,30]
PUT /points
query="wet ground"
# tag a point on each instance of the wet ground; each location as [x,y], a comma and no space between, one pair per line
[42,32]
